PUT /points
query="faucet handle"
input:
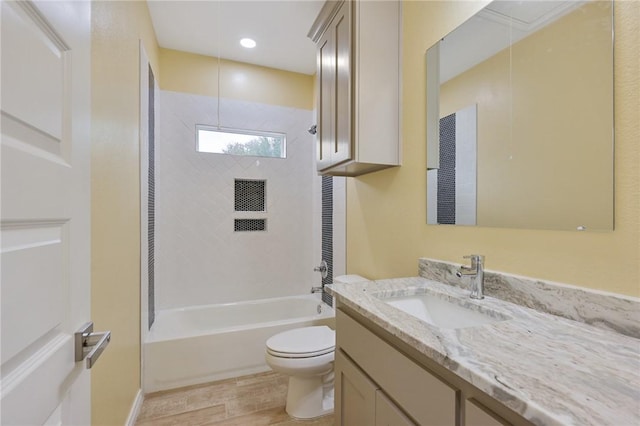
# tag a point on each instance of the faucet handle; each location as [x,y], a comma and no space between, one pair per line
[475,258]
[476,271]
[323,269]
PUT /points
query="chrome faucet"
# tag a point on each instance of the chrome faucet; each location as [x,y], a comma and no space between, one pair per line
[323,269]
[476,272]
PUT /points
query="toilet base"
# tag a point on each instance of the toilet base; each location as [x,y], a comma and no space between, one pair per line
[310,397]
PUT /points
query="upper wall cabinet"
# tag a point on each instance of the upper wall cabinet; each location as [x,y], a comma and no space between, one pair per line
[358,86]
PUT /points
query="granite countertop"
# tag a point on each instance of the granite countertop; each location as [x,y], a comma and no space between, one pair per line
[550,370]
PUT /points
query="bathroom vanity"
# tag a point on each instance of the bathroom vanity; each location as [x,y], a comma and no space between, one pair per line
[378,379]
[520,367]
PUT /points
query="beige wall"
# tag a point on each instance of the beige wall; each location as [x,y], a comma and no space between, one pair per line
[538,173]
[386,211]
[198,74]
[115,229]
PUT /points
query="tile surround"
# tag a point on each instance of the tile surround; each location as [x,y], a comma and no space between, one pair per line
[151,198]
[199,259]
[447,171]
[339,225]
[452,188]
[148,104]
[327,233]
[608,311]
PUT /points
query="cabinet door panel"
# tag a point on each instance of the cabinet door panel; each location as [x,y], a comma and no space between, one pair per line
[326,82]
[342,149]
[388,414]
[355,394]
[477,415]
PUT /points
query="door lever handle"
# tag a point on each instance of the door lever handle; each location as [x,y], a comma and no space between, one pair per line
[90,345]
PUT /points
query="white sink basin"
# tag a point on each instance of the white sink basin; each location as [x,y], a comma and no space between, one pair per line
[438,311]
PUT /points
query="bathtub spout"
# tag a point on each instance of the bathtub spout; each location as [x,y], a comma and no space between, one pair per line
[316,289]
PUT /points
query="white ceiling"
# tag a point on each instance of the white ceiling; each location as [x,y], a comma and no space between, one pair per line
[215,28]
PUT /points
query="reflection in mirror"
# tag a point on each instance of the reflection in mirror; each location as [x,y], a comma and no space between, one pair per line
[452,186]
[520,118]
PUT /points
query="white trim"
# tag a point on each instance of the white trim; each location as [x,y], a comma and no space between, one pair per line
[135,409]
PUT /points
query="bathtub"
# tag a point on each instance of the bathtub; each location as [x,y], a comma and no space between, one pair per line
[200,344]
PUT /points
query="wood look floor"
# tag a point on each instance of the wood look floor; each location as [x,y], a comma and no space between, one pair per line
[256,400]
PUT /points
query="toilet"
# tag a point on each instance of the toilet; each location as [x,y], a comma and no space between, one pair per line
[306,355]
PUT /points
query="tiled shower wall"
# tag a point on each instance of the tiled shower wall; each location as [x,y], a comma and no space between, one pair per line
[199,257]
[339,226]
[151,200]
[149,127]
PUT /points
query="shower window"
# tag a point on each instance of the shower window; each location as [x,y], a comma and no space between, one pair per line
[240,142]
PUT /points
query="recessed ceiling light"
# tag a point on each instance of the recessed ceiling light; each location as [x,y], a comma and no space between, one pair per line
[248,43]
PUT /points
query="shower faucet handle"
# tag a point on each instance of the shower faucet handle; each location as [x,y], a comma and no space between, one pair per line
[323,269]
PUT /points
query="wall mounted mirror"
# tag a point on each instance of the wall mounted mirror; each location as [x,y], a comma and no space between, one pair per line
[520,118]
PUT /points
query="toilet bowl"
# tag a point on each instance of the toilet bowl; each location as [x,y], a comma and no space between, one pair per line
[306,355]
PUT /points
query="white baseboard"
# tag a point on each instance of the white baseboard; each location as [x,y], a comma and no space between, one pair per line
[135,409]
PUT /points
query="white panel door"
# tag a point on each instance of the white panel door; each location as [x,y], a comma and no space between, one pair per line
[45,264]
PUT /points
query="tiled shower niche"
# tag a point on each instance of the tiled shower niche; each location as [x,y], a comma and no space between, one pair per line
[249,225]
[250,195]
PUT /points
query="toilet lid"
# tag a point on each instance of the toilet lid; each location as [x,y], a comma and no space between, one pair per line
[302,342]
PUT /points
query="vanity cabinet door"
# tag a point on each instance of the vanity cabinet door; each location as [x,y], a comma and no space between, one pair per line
[477,415]
[423,396]
[355,394]
[388,414]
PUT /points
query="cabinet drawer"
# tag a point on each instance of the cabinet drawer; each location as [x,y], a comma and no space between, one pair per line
[424,397]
